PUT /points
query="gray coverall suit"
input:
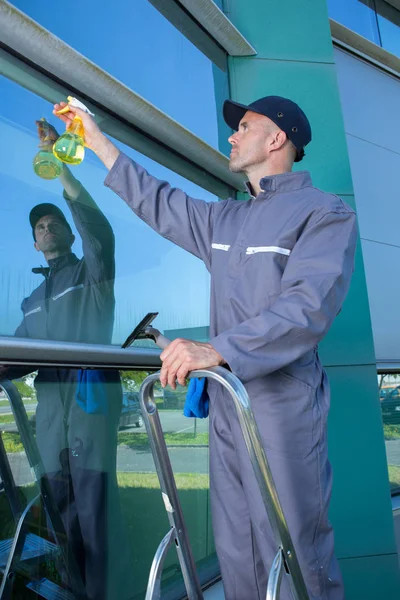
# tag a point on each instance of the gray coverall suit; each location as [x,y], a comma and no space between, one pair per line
[280,266]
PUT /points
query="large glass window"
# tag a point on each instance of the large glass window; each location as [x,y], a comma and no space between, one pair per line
[140,47]
[390,32]
[358,15]
[374,151]
[148,269]
[376,20]
[101,475]
[389,396]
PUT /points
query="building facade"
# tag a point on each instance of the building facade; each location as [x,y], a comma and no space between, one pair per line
[155,74]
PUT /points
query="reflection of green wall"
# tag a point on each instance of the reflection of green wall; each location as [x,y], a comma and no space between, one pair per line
[147,523]
[295,59]
[201,334]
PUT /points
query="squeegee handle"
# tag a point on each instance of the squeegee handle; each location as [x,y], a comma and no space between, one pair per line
[160,339]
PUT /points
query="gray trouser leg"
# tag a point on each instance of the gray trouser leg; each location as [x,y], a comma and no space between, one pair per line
[243,536]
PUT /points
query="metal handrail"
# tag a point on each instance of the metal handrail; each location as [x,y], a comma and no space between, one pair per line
[286,558]
[34,353]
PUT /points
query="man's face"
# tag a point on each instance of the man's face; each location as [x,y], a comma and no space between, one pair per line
[52,235]
[250,142]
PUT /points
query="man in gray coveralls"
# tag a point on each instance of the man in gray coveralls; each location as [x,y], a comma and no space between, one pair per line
[280,267]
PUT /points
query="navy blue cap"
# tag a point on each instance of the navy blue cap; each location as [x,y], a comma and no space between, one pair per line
[284,112]
[44,209]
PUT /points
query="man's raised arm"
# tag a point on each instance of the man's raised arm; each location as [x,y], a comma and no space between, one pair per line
[176,216]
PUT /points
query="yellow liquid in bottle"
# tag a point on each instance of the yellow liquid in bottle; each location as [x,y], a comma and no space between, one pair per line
[70,147]
[46,165]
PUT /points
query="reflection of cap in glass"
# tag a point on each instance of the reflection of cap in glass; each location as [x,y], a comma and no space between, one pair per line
[44,209]
[284,112]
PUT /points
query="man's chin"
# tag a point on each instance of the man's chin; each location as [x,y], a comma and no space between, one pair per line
[235,166]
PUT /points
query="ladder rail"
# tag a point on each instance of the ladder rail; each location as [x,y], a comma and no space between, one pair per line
[168,488]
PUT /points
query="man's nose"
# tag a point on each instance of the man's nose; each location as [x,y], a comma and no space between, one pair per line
[232,139]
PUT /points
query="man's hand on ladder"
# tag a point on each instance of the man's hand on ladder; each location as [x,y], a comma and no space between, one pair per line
[182,356]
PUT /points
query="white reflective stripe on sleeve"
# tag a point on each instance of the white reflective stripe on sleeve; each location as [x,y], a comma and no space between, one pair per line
[221,247]
[33,311]
[255,249]
[70,289]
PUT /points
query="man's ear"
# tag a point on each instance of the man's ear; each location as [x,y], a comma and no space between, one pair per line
[35,245]
[72,239]
[277,140]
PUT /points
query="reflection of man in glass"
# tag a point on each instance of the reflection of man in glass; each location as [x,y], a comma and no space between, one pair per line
[78,412]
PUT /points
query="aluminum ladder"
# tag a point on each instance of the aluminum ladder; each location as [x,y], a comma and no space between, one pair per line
[285,560]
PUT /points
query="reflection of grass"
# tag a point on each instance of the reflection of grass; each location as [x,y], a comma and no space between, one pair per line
[135,440]
[10,418]
[391,432]
[184,481]
[12,442]
[27,401]
[394,476]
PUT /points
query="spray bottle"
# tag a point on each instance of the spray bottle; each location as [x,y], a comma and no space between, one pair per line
[70,147]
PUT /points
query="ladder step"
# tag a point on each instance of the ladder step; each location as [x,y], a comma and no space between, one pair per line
[34,547]
[50,590]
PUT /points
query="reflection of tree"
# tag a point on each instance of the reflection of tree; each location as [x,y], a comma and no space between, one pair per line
[25,386]
[382,377]
[132,380]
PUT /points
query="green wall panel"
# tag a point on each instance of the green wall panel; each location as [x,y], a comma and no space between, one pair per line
[292,38]
[349,340]
[314,87]
[371,578]
[284,29]
[361,506]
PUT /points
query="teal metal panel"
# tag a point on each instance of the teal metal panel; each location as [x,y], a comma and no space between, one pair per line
[361,506]
[284,29]
[349,340]
[371,578]
[293,42]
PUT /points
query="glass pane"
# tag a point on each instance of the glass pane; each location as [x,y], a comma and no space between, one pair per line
[358,15]
[389,395]
[137,45]
[96,462]
[372,139]
[79,305]
[390,32]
